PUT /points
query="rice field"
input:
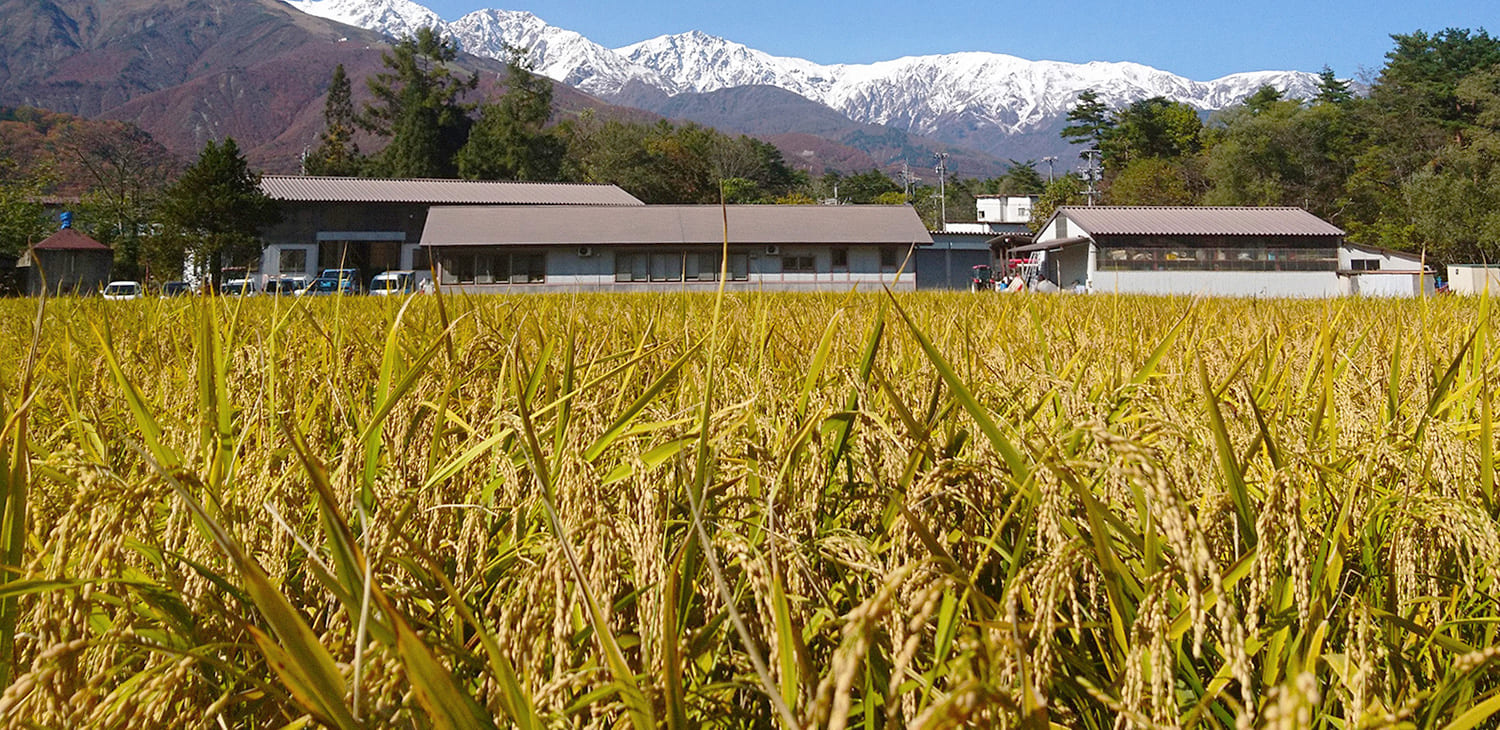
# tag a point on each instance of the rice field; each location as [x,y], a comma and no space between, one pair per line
[677,511]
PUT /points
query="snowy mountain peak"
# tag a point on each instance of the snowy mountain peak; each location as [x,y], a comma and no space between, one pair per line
[973,98]
[395,18]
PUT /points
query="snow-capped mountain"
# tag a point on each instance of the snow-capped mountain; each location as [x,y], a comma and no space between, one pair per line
[395,18]
[970,98]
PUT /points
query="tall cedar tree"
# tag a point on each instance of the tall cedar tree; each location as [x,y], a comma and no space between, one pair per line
[418,105]
[216,210]
[337,153]
[1089,121]
[510,141]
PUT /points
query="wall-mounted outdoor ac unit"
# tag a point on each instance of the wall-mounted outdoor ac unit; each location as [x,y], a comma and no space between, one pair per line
[773,250]
[585,251]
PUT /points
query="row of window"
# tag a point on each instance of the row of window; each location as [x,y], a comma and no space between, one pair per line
[1218,259]
[486,267]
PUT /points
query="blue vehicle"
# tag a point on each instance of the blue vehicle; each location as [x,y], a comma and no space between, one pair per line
[334,281]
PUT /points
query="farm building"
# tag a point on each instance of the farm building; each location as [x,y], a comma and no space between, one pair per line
[673,247]
[67,262]
[376,224]
[1474,279]
[1265,252]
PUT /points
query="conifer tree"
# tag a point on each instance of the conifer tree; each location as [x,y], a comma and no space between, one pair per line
[216,210]
[337,153]
[419,106]
[510,141]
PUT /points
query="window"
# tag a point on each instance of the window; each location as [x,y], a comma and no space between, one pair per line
[1364,265]
[666,266]
[632,267]
[1182,258]
[889,258]
[485,267]
[292,261]
[798,265]
[840,258]
[690,266]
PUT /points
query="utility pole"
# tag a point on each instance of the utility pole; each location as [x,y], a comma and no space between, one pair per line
[942,173]
[1049,160]
[907,179]
[1092,174]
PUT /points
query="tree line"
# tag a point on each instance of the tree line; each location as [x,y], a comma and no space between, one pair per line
[1411,165]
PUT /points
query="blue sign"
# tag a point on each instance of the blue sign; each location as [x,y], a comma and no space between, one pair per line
[67,219]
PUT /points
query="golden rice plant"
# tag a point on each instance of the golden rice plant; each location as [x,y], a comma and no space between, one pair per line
[772,510]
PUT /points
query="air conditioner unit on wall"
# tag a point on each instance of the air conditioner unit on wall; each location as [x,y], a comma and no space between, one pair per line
[773,250]
[585,251]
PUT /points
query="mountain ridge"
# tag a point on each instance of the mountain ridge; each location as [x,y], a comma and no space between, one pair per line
[984,100]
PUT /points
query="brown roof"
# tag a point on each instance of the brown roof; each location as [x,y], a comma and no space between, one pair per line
[69,239]
[673,224]
[1200,221]
[439,192]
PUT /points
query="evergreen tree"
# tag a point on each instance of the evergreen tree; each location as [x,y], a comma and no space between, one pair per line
[1021,179]
[1089,121]
[1331,90]
[418,105]
[510,141]
[1155,127]
[215,211]
[337,153]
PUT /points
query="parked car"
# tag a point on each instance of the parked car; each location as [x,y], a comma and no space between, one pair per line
[335,281]
[176,289]
[288,285]
[393,282]
[122,290]
[238,287]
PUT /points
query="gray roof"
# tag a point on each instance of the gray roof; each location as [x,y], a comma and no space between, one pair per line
[673,224]
[1201,221]
[1050,245]
[439,192]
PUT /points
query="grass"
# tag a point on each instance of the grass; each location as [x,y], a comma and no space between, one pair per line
[826,511]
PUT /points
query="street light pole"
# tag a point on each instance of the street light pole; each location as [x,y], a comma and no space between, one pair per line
[1049,160]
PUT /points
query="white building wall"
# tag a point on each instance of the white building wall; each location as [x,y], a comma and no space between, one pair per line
[1004,208]
[1290,284]
[1389,260]
[1474,279]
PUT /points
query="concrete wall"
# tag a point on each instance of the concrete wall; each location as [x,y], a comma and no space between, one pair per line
[1387,284]
[1474,279]
[1292,284]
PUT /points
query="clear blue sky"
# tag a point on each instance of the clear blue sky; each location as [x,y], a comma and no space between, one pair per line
[1200,40]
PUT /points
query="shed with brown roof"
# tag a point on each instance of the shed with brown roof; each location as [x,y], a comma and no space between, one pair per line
[67,262]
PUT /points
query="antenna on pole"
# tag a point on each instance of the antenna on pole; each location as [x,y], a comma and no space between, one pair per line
[907,179]
[942,173]
[1093,173]
[1049,160]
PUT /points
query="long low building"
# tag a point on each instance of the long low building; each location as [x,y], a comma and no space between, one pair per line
[673,247]
[1258,252]
[376,224]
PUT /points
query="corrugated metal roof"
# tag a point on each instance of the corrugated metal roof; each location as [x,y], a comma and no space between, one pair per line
[1051,245]
[673,224]
[1204,221]
[69,239]
[439,192]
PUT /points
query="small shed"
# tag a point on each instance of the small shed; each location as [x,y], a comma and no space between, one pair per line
[1474,278]
[1371,271]
[68,262]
